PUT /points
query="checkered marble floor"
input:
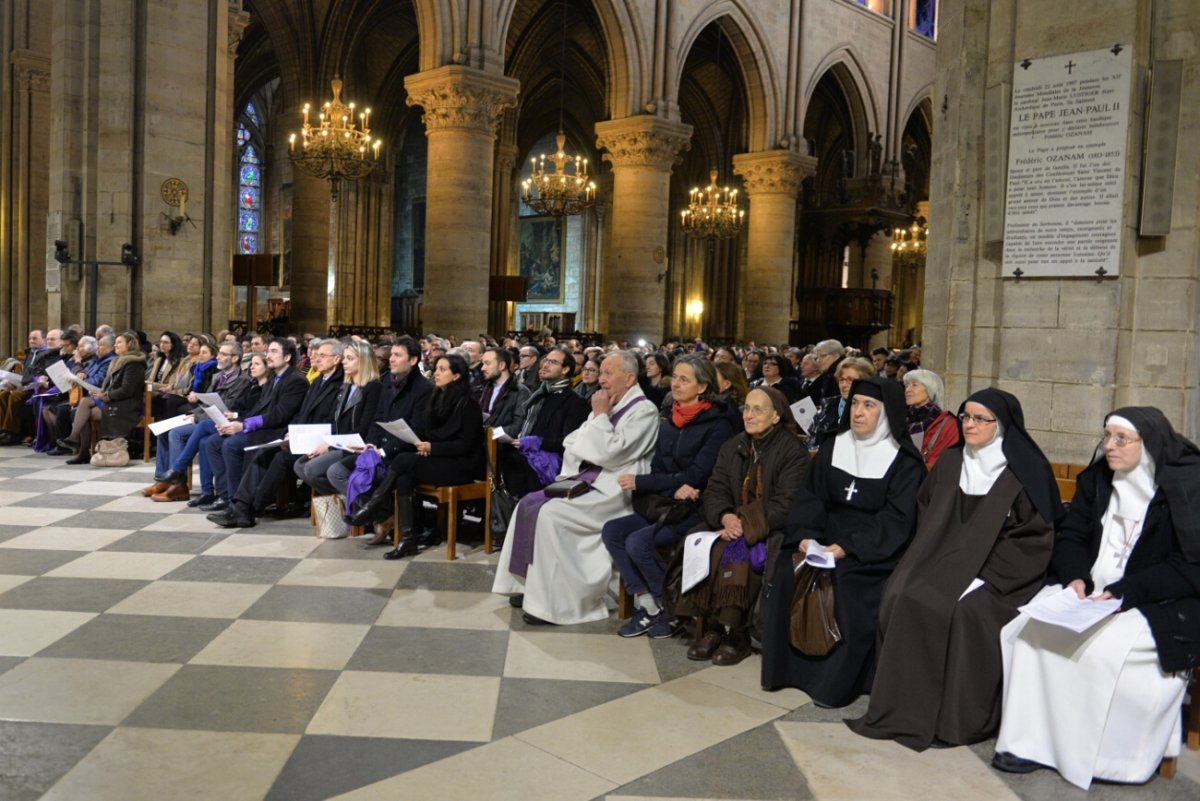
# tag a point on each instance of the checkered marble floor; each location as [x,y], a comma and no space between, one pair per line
[145,653]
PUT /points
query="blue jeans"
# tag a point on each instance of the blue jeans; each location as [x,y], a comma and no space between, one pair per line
[225,456]
[184,443]
[631,541]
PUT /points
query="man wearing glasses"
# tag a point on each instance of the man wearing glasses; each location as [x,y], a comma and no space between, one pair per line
[268,420]
[268,468]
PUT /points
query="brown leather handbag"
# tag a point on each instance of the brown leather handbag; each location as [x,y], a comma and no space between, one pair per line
[813,628]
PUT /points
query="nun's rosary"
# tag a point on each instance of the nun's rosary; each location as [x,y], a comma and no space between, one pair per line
[1128,527]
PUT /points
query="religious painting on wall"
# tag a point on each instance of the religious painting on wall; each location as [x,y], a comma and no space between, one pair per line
[542,246]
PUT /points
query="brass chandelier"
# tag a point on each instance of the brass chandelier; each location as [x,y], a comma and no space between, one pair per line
[712,213]
[337,147]
[910,242]
[559,193]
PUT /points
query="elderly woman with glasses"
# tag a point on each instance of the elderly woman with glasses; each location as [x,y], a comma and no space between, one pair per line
[932,429]
[830,413]
[1105,703]
[984,534]
[860,508]
[756,475]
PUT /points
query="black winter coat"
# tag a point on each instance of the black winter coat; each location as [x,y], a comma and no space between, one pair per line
[278,405]
[124,399]
[508,410]
[1158,581]
[407,400]
[456,454]
[358,417]
[686,455]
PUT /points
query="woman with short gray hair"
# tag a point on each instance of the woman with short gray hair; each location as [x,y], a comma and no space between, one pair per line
[932,429]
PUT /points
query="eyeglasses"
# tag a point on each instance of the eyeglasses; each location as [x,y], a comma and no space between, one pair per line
[976,419]
[846,379]
[553,361]
[757,411]
[1118,440]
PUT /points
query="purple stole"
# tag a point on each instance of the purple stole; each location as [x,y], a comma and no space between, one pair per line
[525,519]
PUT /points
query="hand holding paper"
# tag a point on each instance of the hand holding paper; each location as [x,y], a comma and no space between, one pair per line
[1065,608]
[401,431]
[816,555]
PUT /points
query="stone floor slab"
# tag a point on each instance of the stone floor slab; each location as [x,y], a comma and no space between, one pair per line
[582,657]
[78,690]
[256,643]
[24,632]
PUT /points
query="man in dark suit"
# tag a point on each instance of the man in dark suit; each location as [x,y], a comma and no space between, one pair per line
[266,470]
[268,420]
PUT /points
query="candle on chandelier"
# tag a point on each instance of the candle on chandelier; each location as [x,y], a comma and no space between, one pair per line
[292,143]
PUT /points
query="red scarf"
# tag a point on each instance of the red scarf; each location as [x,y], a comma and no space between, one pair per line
[682,415]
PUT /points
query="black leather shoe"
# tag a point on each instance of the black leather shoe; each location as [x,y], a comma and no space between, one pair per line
[429,538]
[8,439]
[60,452]
[175,477]
[530,620]
[234,521]
[377,507]
[407,547]
[219,517]
[218,505]
[517,601]
[83,458]
[203,500]
[68,443]
[1010,763]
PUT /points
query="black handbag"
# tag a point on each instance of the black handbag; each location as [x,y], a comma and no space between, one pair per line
[661,509]
[812,629]
[504,503]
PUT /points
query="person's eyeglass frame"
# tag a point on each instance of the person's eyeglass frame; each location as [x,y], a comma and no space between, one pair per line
[967,417]
[1118,440]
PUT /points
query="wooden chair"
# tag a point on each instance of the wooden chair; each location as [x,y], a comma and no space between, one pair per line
[448,499]
[1191,727]
[147,419]
[1064,476]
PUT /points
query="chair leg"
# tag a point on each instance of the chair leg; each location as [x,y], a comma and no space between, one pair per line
[452,526]
[624,601]
[487,522]
[146,444]
[312,513]
[1166,768]
[1192,719]
[396,517]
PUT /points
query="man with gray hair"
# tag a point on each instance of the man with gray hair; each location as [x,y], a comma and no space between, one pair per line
[828,353]
[553,561]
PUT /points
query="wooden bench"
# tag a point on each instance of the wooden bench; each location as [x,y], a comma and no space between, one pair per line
[1191,727]
[1065,475]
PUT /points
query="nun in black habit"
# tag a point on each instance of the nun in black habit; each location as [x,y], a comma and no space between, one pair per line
[984,534]
[1105,703]
[861,505]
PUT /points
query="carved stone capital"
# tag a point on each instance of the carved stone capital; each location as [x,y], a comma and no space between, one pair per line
[239,18]
[506,157]
[31,70]
[773,172]
[643,141]
[462,98]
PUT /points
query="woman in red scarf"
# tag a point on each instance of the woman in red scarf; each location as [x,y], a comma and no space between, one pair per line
[666,500]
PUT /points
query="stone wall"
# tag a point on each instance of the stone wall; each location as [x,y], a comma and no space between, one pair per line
[1071,349]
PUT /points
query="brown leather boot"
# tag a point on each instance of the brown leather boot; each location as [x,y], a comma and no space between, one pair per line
[155,488]
[702,649]
[733,650]
[173,492]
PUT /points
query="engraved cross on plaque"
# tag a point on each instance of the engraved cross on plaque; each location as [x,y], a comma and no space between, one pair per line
[1070,66]
[850,490]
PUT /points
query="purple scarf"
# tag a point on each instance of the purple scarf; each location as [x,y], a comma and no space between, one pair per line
[546,465]
[525,519]
[360,481]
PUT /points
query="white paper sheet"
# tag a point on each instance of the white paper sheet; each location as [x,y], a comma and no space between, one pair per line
[345,442]
[212,399]
[696,557]
[214,414]
[401,431]
[275,443]
[816,556]
[163,426]
[61,375]
[1066,609]
[501,436]
[804,410]
[975,584]
[12,379]
[304,439]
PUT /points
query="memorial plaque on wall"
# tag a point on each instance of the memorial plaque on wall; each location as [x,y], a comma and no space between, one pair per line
[1067,149]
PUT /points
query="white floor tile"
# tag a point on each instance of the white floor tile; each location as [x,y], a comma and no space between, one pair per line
[580,657]
[266,643]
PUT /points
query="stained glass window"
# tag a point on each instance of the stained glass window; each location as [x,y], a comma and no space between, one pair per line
[252,115]
[249,192]
[243,136]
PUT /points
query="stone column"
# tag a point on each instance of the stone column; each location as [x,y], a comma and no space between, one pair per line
[642,150]
[502,213]
[462,106]
[311,262]
[772,181]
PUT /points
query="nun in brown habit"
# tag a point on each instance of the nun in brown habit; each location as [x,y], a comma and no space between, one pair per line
[983,543]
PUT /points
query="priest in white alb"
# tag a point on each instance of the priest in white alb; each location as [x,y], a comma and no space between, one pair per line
[554,562]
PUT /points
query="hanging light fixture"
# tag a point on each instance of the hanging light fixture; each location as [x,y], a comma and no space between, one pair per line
[712,213]
[910,241]
[559,193]
[338,146]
